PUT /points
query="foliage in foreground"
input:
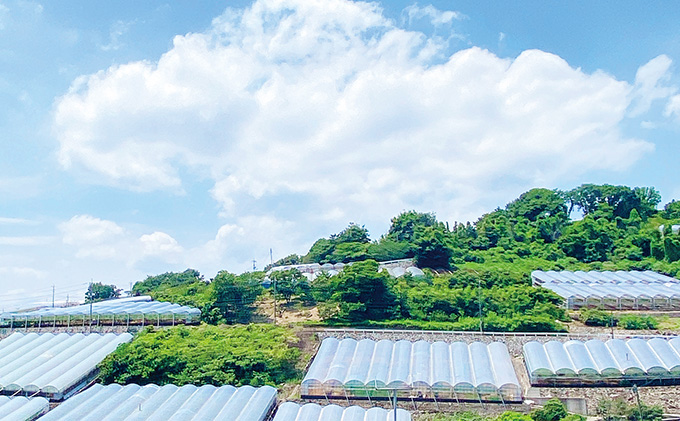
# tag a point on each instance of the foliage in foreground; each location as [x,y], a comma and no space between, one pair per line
[254,354]
[620,410]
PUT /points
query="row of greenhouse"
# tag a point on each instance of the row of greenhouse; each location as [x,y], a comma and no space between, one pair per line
[38,368]
[620,290]
[124,311]
[367,369]
[612,362]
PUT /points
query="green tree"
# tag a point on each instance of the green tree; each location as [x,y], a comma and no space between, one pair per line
[291,282]
[352,234]
[234,295]
[672,210]
[404,227]
[588,240]
[432,249]
[360,293]
[538,204]
[97,291]
[166,280]
[553,410]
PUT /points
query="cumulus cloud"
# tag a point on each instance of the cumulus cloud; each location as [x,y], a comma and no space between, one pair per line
[307,114]
[102,239]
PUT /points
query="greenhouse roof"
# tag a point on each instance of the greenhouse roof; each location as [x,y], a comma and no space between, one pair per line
[119,307]
[167,403]
[615,358]
[290,411]
[52,364]
[620,277]
[22,409]
[632,289]
[385,364]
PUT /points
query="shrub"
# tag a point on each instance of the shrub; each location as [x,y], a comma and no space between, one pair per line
[553,410]
[592,317]
[635,322]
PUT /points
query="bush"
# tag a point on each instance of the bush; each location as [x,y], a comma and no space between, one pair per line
[553,410]
[592,317]
[254,354]
[635,322]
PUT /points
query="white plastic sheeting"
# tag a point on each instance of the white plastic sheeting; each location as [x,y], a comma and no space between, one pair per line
[290,411]
[53,365]
[612,290]
[121,308]
[438,370]
[166,403]
[22,409]
[595,361]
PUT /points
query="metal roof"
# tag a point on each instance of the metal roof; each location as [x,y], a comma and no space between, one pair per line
[290,411]
[596,360]
[119,307]
[166,403]
[477,370]
[53,365]
[20,408]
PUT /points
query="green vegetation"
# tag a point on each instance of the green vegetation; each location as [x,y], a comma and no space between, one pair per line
[620,410]
[99,292]
[228,298]
[255,354]
[553,410]
[594,317]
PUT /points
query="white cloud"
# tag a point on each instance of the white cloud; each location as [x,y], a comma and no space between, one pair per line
[116,32]
[307,114]
[437,17]
[673,106]
[651,84]
[159,244]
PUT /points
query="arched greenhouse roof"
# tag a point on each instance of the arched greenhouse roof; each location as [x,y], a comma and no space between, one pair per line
[291,411]
[403,365]
[614,359]
[169,402]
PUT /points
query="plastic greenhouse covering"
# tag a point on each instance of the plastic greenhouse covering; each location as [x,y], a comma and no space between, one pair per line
[613,362]
[167,403]
[290,411]
[53,365]
[138,310]
[367,369]
[613,290]
[22,409]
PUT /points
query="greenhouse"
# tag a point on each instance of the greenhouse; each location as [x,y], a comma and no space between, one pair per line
[620,290]
[167,403]
[594,362]
[438,371]
[290,411]
[52,365]
[125,311]
[22,409]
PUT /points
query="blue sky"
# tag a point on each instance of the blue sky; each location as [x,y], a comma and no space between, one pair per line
[145,137]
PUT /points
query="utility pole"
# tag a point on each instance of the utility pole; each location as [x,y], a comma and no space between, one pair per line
[479,300]
[254,262]
[52,296]
[271,260]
